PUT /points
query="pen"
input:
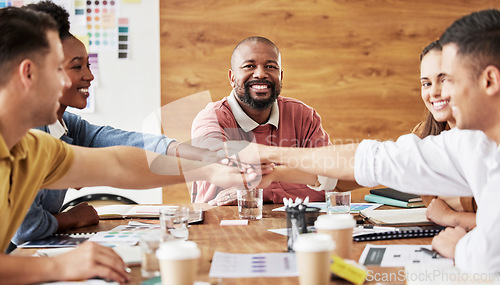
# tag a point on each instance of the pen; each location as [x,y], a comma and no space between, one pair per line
[378,228]
[432,253]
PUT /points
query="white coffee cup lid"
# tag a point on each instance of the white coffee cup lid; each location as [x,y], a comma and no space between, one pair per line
[314,242]
[334,222]
[177,250]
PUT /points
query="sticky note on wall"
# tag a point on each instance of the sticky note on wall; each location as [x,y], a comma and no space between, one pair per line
[123,38]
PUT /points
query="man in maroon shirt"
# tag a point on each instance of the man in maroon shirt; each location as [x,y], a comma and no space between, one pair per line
[254,111]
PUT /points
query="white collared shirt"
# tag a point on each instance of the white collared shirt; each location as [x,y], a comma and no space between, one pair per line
[247,123]
[58,129]
[454,163]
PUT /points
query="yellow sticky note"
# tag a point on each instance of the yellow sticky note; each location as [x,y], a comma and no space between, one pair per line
[353,273]
[132,1]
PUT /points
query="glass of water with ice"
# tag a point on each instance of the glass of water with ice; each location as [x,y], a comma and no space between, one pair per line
[250,203]
[338,202]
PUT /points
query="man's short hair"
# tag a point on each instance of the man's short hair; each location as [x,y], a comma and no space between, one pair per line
[254,39]
[477,37]
[23,34]
[60,15]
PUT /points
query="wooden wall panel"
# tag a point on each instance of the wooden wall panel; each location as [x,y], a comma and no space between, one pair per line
[355,62]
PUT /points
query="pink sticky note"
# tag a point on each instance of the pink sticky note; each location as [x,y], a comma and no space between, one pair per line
[234,222]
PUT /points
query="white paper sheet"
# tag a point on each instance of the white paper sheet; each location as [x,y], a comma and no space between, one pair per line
[400,255]
[245,265]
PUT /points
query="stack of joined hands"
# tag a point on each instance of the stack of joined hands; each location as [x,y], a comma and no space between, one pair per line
[254,173]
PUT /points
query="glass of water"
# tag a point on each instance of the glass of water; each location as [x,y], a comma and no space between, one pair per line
[174,222]
[338,202]
[149,243]
[250,203]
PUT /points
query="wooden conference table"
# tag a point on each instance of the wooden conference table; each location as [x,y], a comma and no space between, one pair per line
[253,238]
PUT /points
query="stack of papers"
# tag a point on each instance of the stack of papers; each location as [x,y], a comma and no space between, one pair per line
[400,255]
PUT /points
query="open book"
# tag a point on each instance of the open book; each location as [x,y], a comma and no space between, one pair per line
[404,217]
[129,211]
[141,211]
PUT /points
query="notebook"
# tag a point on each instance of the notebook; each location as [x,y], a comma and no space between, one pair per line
[403,217]
[58,240]
[392,202]
[401,233]
[395,194]
[142,211]
[129,211]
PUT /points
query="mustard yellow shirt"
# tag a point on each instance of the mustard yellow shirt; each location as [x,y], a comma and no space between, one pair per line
[33,163]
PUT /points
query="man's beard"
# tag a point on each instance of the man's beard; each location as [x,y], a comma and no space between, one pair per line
[243,93]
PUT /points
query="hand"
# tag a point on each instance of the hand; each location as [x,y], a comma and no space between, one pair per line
[440,213]
[243,151]
[81,215]
[446,241]
[262,169]
[226,197]
[91,260]
[230,176]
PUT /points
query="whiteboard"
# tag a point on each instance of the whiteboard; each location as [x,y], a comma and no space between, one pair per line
[129,90]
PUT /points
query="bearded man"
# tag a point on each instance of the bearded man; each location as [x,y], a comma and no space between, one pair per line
[255,112]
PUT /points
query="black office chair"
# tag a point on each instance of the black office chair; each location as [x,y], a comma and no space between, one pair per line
[98,197]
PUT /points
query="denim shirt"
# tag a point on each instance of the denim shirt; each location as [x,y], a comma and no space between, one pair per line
[39,221]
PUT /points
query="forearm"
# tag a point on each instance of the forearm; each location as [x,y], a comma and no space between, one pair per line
[128,167]
[293,175]
[27,270]
[140,169]
[190,152]
[64,222]
[335,161]
[344,185]
[465,220]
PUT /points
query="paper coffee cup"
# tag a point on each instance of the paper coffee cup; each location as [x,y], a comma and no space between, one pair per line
[178,262]
[313,252]
[339,228]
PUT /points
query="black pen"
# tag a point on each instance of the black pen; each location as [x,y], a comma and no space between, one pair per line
[432,253]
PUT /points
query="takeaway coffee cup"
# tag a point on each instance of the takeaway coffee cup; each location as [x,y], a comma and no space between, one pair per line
[339,228]
[178,262]
[313,253]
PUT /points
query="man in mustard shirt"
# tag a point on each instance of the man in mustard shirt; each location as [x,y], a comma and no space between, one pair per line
[33,78]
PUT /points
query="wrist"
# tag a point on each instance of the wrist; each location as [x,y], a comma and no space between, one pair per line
[269,154]
[54,269]
[64,221]
[276,175]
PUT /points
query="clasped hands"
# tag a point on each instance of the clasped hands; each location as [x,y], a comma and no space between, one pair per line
[245,157]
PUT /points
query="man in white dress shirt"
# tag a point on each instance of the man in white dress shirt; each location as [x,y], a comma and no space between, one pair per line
[464,161]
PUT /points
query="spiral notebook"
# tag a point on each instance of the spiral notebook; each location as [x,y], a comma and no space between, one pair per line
[401,233]
[58,240]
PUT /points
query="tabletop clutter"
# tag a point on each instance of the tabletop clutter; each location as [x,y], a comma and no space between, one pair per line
[319,246]
[315,251]
[319,255]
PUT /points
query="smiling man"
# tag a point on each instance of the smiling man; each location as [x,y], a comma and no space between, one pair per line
[464,161]
[255,111]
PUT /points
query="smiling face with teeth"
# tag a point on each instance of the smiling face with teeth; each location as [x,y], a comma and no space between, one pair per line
[77,65]
[256,74]
[431,81]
